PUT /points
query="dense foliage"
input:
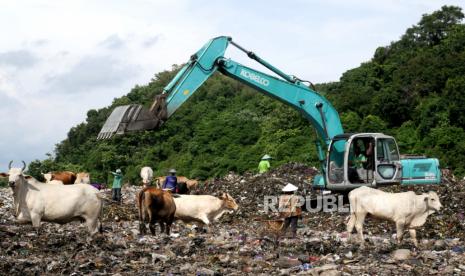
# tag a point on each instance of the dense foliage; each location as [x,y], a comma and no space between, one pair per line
[413,89]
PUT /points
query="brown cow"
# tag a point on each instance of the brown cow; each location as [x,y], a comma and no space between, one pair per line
[155,205]
[66,177]
[191,183]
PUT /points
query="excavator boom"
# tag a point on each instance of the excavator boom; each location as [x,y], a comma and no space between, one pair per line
[201,66]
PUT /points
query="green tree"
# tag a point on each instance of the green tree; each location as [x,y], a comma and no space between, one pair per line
[373,123]
[351,121]
[3,182]
[434,27]
[447,144]
[454,95]
[431,112]
[407,138]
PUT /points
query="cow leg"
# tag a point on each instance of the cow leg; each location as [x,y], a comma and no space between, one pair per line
[205,222]
[100,226]
[169,222]
[152,228]
[350,226]
[162,226]
[413,236]
[205,219]
[142,221]
[35,219]
[92,225]
[400,230]
[152,224]
[142,227]
[359,219]
[152,221]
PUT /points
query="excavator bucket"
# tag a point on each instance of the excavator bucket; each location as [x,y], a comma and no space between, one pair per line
[134,117]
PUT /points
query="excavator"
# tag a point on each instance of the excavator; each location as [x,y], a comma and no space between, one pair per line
[337,151]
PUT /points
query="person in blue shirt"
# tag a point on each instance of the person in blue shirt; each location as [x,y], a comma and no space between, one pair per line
[171,182]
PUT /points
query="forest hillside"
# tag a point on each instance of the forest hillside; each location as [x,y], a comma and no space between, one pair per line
[412,89]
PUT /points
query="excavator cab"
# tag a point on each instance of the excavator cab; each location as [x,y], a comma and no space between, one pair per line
[368,159]
[373,159]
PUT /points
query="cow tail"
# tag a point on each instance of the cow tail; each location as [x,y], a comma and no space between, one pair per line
[351,203]
[100,229]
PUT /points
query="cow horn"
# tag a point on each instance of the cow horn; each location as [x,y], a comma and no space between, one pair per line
[9,164]
[24,165]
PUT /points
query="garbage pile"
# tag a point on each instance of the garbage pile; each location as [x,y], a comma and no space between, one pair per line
[240,243]
[249,189]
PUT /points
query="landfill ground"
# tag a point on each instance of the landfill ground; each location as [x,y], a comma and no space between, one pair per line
[241,242]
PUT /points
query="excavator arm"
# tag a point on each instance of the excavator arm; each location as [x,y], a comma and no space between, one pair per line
[387,169]
[204,63]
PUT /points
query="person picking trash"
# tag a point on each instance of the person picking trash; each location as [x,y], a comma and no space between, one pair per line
[289,208]
[171,182]
[264,164]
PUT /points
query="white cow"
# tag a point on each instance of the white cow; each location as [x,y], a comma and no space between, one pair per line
[407,210]
[82,178]
[203,208]
[35,202]
[146,173]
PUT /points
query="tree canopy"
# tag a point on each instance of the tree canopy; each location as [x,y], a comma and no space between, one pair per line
[412,89]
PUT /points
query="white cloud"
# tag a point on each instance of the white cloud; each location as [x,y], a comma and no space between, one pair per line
[113,42]
[149,42]
[18,58]
[93,72]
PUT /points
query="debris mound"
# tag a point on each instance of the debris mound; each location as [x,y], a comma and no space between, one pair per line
[240,243]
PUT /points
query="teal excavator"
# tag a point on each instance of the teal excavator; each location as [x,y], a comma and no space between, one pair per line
[337,151]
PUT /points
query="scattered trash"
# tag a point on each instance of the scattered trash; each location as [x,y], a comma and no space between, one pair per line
[458,249]
[240,243]
[401,254]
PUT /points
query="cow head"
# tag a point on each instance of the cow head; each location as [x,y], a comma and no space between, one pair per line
[13,174]
[47,176]
[82,178]
[432,201]
[229,202]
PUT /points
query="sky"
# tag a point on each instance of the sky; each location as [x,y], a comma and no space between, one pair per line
[59,59]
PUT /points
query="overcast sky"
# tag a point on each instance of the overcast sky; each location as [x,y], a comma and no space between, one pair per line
[58,59]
